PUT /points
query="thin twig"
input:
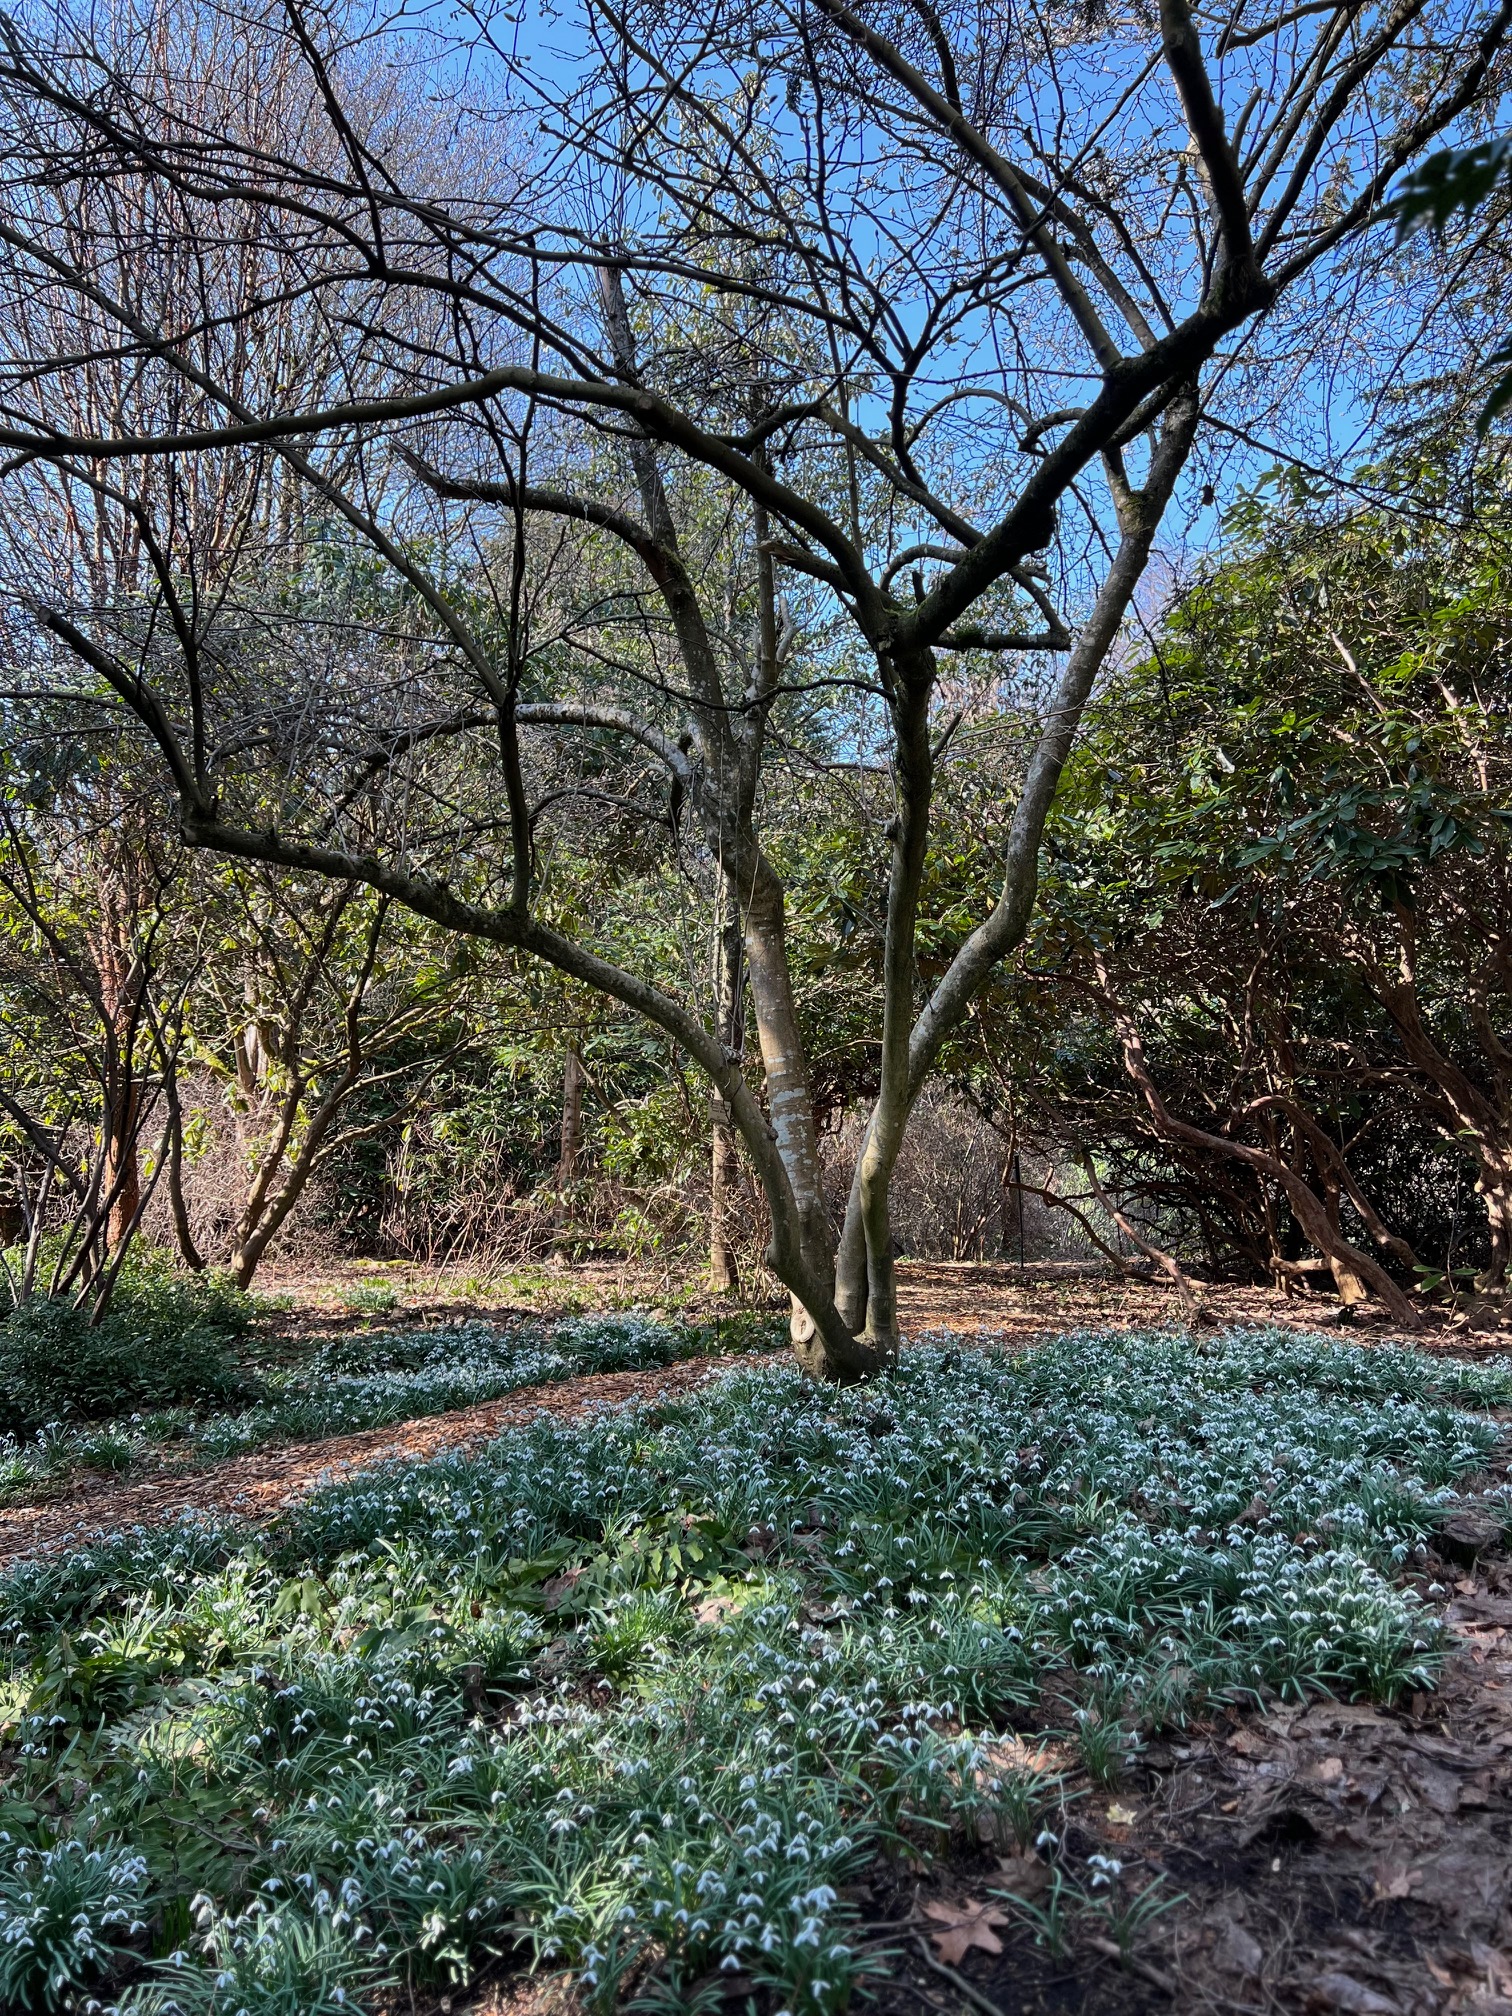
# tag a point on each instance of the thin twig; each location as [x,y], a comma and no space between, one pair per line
[1132,1961]
[959,1982]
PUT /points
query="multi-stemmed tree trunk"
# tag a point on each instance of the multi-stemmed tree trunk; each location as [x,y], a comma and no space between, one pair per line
[789,325]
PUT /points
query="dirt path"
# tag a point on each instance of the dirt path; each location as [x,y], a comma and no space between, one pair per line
[258,1486]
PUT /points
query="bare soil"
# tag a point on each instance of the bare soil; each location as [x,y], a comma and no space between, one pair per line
[1336,1856]
[973,1297]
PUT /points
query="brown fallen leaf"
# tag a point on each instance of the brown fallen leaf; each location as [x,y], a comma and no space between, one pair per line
[1238,1951]
[1024,1875]
[557,1590]
[1439,1789]
[1396,1883]
[1342,1991]
[966,1925]
[1496,1965]
[1012,1753]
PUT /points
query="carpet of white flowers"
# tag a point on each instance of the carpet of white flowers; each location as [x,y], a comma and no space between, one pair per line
[641,1693]
[371,1378]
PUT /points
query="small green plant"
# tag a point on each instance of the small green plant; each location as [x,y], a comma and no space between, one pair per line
[1019,1800]
[107,1450]
[1051,1919]
[631,1629]
[1129,1917]
[66,1913]
[449,1913]
[166,1339]
[369,1299]
[307,1959]
[1103,1745]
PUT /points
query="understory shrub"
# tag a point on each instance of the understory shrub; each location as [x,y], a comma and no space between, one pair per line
[165,1340]
[641,1694]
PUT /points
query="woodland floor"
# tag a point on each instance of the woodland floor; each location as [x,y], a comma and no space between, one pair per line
[1004,1301]
[962,1295]
[1330,1857]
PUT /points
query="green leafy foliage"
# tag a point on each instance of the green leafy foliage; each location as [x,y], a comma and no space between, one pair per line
[642,1692]
[65,1913]
[1281,850]
[166,1340]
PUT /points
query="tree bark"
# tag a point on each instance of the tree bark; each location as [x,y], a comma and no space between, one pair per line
[182,1231]
[724,1154]
[573,1078]
[790,1103]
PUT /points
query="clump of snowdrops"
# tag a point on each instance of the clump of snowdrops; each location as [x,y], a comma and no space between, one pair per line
[641,1694]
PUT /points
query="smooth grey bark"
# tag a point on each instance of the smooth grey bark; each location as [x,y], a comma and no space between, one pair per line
[864,1260]
[728,748]
[724,1153]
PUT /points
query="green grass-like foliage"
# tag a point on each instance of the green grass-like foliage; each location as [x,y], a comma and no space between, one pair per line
[651,1687]
[366,1380]
[65,1913]
[166,1340]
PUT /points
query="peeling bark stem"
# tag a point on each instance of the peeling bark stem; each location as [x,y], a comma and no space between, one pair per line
[1139,515]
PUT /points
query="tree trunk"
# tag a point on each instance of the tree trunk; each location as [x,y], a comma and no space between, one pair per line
[1493,1185]
[177,1203]
[914,769]
[724,1159]
[1351,1288]
[123,1175]
[573,1079]
[1478,1124]
[789,1100]
[121,983]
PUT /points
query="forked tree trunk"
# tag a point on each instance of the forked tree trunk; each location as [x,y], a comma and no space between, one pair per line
[864,1290]
[790,1102]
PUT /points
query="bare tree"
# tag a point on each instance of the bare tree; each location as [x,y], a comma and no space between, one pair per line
[921,308]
